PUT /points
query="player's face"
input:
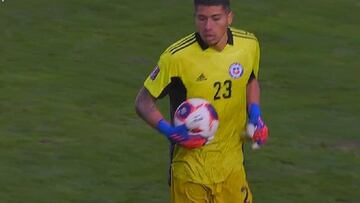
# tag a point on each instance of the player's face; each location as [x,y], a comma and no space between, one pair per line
[212,23]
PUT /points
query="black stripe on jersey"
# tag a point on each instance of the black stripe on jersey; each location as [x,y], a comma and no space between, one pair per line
[182,42]
[171,154]
[244,36]
[183,46]
[240,32]
[177,93]
[252,76]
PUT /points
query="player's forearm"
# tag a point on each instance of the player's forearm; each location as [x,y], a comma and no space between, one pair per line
[253,92]
[256,127]
[146,108]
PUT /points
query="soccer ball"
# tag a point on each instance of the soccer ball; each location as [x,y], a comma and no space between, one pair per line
[199,116]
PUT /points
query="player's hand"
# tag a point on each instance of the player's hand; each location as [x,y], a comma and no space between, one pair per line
[261,134]
[257,128]
[195,141]
[174,134]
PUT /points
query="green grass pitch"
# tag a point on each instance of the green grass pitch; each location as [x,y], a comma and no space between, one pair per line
[70,71]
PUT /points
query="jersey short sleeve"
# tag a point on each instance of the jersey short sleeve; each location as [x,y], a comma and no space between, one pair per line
[161,76]
[256,60]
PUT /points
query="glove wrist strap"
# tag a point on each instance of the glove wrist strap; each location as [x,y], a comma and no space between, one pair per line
[254,113]
[164,127]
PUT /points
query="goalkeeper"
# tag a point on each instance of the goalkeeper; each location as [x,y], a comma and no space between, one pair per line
[220,64]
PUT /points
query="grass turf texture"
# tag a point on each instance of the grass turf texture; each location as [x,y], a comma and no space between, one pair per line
[70,70]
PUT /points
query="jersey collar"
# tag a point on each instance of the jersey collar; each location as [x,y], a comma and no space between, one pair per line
[205,46]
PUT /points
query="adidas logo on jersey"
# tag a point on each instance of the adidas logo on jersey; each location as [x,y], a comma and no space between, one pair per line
[201,77]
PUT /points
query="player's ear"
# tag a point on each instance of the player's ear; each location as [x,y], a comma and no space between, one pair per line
[230,17]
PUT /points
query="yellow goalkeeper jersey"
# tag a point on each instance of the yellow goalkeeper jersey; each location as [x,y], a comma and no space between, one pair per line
[191,69]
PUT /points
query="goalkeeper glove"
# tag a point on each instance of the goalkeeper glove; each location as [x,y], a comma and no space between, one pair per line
[180,135]
[174,134]
[258,129]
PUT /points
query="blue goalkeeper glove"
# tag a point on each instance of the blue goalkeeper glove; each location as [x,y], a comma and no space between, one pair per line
[260,132]
[174,134]
[180,135]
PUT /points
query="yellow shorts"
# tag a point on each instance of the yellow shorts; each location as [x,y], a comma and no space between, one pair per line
[234,189]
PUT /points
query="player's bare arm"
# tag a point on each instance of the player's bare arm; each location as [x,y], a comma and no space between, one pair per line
[145,105]
[256,128]
[253,92]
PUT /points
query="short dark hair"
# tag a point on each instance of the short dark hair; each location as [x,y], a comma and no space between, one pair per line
[224,3]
